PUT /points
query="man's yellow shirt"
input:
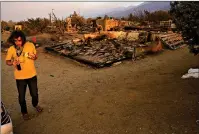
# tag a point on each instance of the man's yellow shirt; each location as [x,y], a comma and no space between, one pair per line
[27,65]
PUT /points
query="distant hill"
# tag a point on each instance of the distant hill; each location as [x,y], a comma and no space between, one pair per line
[110,11]
[119,12]
[149,6]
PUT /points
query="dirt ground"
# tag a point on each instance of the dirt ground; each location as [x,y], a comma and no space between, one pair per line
[143,97]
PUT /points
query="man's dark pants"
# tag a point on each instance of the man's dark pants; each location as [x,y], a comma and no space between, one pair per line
[21,86]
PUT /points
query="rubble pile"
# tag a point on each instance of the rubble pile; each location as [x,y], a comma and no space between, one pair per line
[97,53]
[172,40]
[105,49]
[86,29]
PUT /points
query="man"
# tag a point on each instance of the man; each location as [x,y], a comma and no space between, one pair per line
[22,55]
[6,122]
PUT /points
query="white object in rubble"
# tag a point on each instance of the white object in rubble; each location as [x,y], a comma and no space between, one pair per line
[191,70]
[192,73]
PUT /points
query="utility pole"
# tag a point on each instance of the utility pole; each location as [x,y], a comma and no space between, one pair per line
[52,17]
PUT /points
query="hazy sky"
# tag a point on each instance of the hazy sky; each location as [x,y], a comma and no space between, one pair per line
[17,11]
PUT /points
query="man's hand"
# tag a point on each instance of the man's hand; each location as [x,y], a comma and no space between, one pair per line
[32,56]
[16,62]
[9,62]
[13,63]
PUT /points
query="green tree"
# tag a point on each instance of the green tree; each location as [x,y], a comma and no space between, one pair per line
[130,18]
[160,16]
[38,24]
[43,24]
[4,25]
[140,16]
[99,17]
[186,18]
[11,24]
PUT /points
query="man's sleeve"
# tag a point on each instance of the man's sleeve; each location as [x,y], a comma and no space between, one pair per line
[9,54]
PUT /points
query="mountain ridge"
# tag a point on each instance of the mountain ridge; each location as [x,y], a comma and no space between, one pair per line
[149,6]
